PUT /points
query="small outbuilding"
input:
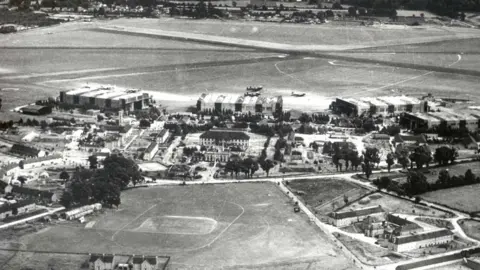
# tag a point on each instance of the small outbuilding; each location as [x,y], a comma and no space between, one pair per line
[36,110]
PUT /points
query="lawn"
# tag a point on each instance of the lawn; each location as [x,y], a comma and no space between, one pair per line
[463,198]
[471,228]
[456,169]
[200,226]
[395,205]
[327,193]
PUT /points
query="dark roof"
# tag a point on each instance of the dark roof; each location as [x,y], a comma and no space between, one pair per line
[36,109]
[94,257]
[224,135]
[151,147]
[358,212]
[381,136]
[25,150]
[402,138]
[421,236]
[107,258]
[140,259]
[163,132]
[120,129]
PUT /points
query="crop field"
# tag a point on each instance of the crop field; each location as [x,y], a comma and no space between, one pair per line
[200,227]
[471,228]
[462,198]
[325,194]
[393,204]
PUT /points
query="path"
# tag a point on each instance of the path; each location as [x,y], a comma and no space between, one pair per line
[17,222]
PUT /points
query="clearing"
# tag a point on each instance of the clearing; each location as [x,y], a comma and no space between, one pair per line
[463,198]
[200,227]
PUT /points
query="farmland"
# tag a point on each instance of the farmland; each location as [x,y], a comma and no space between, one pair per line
[393,204]
[203,226]
[463,198]
[325,194]
[471,228]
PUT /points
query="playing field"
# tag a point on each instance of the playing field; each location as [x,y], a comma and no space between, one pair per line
[462,198]
[201,226]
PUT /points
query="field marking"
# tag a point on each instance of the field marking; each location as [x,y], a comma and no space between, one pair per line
[35,75]
[213,224]
[264,231]
[289,75]
[406,80]
[137,217]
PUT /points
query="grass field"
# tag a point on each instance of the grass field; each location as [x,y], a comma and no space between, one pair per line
[471,228]
[200,227]
[326,194]
[462,198]
[392,204]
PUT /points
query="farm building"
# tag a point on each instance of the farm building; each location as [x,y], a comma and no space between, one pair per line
[82,211]
[433,119]
[27,151]
[36,110]
[342,219]
[388,226]
[420,240]
[150,152]
[109,97]
[144,262]
[225,137]
[101,262]
[240,104]
[163,136]
[17,208]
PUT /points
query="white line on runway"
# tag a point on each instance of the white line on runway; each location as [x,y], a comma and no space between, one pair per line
[137,217]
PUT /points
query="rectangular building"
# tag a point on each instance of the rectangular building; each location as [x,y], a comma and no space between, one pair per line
[109,97]
[342,219]
[210,103]
[420,240]
[225,138]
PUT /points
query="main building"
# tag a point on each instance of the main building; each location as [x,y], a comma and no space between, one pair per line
[242,104]
[109,97]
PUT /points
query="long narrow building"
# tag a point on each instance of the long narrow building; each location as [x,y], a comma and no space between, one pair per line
[109,97]
[239,104]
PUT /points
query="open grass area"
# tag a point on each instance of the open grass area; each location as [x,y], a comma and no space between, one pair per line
[395,205]
[326,194]
[462,198]
[471,228]
[200,227]
[456,169]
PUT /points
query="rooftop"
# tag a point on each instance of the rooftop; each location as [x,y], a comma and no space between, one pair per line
[421,236]
[358,212]
[224,134]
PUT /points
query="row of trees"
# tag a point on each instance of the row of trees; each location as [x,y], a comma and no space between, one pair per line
[101,185]
[416,182]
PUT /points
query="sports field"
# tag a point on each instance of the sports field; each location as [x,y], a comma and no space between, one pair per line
[202,227]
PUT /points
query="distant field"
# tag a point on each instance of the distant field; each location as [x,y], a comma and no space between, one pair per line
[457,169]
[200,227]
[285,33]
[463,198]
[326,194]
[471,228]
[393,204]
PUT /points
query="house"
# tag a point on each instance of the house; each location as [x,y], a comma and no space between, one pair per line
[420,240]
[151,150]
[17,208]
[36,110]
[163,136]
[380,136]
[25,150]
[145,263]
[101,262]
[225,137]
[221,156]
[342,219]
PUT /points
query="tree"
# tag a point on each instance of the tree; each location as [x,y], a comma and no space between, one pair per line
[443,180]
[390,161]
[416,183]
[421,157]
[144,123]
[267,165]
[100,118]
[371,155]
[64,175]
[22,180]
[382,182]
[352,12]
[93,161]
[21,164]
[345,198]
[367,169]
[470,177]
[43,125]
[67,199]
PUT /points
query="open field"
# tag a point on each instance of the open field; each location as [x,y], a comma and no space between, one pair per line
[326,194]
[462,198]
[456,169]
[287,33]
[393,204]
[200,227]
[471,228]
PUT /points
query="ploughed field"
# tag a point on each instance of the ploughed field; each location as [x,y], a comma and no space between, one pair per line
[200,226]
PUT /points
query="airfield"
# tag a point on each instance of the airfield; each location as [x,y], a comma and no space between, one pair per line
[41,62]
[199,227]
